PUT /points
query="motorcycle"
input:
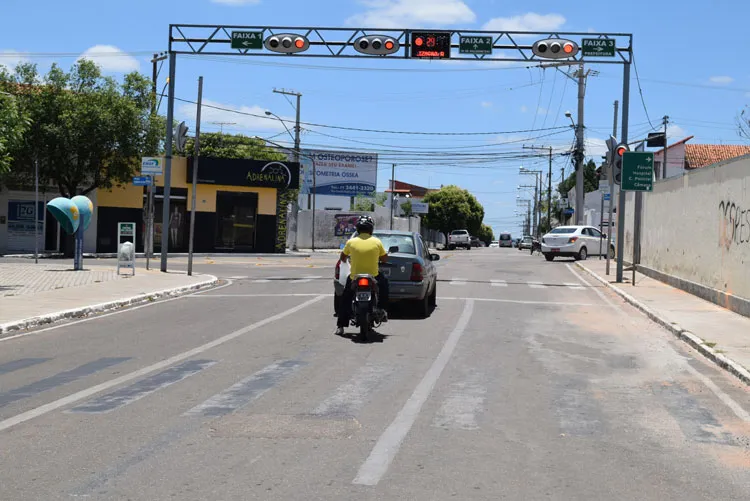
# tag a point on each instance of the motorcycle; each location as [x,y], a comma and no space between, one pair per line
[536,245]
[365,313]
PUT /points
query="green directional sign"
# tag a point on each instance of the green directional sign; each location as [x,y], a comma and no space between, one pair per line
[475,45]
[598,47]
[637,171]
[247,39]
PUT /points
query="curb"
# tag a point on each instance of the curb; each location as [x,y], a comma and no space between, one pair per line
[684,335]
[141,255]
[85,311]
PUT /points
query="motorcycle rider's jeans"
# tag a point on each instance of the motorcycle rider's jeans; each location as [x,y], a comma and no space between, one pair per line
[345,306]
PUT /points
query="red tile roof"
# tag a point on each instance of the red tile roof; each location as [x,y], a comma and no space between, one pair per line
[702,155]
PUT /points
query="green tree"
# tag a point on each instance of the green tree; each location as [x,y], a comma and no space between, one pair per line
[406,208]
[13,125]
[486,234]
[590,180]
[453,208]
[87,131]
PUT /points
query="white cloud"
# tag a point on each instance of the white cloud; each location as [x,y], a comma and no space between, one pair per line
[10,59]
[415,13]
[721,79]
[486,104]
[111,58]
[595,148]
[541,111]
[237,2]
[675,133]
[252,124]
[530,21]
[524,109]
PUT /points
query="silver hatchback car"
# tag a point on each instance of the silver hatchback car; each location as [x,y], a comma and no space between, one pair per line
[411,272]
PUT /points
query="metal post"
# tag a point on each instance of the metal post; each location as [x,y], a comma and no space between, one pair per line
[315,191]
[36,210]
[601,226]
[549,191]
[168,164]
[580,189]
[393,187]
[664,165]
[624,139]
[611,192]
[638,210]
[537,196]
[195,174]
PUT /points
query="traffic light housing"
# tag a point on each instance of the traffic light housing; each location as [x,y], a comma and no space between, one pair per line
[287,43]
[618,154]
[555,48]
[377,45]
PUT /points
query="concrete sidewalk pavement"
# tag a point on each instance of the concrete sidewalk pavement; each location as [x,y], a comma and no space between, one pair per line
[719,334]
[37,294]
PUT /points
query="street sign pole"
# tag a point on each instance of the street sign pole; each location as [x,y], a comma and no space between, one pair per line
[195,175]
[168,164]
[624,139]
[637,220]
[611,189]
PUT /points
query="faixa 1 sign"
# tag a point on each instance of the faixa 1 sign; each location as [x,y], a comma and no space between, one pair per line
[241,172]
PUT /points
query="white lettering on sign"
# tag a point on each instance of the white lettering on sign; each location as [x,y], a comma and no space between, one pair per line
[477,40]
[245,36]
[599,43]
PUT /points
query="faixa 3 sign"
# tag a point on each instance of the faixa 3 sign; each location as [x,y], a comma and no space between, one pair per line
[241,172]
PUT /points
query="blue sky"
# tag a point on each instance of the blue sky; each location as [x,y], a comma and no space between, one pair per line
[689,57]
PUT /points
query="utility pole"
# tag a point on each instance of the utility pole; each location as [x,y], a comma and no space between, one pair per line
[549,182]
[664,164]
[393,187]
[621,198]
[296,153]
[580,188]
[195,175]
[148,244]
[168,163]
[296,127]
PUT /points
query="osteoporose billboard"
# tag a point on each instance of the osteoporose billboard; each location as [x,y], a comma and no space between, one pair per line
[341,173]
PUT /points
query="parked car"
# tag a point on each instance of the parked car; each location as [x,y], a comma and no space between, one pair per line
[459,238]
[526,243]
[505,240]
[475,242]
[578,242]
[411,272]
[494,243]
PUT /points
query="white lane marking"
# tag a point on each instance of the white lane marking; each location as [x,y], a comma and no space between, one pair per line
[457,281]
[118,312]
[575,287]
[499,283]
[240,277]
[514,301]
[390,441]
[537,285]
[351,396]
[461,407]
[301,281]
[738,410]
[261,295]
[88,392]
[261,281]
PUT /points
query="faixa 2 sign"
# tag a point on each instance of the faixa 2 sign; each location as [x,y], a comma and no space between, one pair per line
[241,172]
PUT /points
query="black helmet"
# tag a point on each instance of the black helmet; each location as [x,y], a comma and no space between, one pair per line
[365,224]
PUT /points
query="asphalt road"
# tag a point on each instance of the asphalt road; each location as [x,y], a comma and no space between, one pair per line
[539,385]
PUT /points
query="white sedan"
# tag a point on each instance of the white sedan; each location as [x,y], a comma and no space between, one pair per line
[578,242]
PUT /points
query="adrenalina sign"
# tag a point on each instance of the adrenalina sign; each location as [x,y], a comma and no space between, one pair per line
[242,172]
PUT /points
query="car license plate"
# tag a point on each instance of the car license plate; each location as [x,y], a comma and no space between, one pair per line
[386,272]
[555,250]
[363,296]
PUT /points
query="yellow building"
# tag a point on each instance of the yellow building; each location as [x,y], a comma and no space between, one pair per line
[236,201]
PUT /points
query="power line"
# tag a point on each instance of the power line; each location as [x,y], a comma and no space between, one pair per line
[640,91]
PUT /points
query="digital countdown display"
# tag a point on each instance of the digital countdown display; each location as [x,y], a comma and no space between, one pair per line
[431,45]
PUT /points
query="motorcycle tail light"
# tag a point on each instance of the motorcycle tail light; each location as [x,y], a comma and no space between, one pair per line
[363,282]
[416,272]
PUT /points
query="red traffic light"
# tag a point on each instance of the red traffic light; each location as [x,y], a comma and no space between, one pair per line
[568,48]
[419,42]
[299,43]
[376,45]
[621,150]
[389,44]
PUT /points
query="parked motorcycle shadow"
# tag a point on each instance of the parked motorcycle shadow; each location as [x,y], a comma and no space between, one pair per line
[375,337]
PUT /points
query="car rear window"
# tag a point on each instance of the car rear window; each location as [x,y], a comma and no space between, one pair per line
[504,237]
[563,230]
[459,232]
[405,243]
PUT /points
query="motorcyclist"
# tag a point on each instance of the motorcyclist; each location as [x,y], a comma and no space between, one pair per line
[365,252]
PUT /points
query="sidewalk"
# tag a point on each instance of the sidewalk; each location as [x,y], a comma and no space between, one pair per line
[35,294]
[719,334]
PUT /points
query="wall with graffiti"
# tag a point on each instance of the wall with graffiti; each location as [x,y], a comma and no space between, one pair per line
[697,227]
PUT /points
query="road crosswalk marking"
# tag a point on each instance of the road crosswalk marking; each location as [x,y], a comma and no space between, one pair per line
[576,287]
[499,283]
[537,285]
[458,281]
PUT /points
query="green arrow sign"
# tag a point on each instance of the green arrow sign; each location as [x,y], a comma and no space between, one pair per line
[475,45]
[637,171]
[247,39]
[598,47]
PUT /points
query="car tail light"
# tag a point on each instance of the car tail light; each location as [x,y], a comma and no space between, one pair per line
[363,282]
[416,273]
[338,270]
[572,240]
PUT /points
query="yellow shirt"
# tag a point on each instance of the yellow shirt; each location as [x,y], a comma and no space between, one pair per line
[364,253]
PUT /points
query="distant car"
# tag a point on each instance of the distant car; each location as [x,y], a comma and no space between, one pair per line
[459,238]
[475,242]
[494,243]
[525,243]
[411,274]
[506,240]
[578,242]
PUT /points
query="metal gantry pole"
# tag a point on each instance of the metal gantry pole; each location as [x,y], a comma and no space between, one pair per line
[549,191]
[621,204]
[36,210]
[168,164]
[580,188]
[611,192]
[195,174]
